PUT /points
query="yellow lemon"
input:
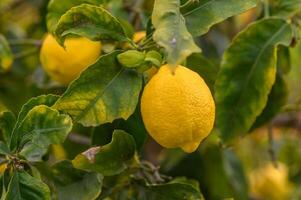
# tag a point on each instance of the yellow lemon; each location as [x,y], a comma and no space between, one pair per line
[270,183]
[177,108]
[138,36]
[3,167]
[6,64]
[65,65]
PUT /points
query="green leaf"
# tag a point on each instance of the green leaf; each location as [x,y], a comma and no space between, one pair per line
[41,127]
[104,92]
[74,184]
[285,8]
[93,22]
[206,13]
[277,99]
[177,189]
[7,123]
[47,100]
[56,8]
[6,56]
[171,32]
[247,75]
[204,67]
[23,186]
[284,59]
[4,150]
[110,159]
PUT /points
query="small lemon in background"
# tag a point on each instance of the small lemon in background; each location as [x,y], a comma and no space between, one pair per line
[65,65]
[177,108]
[270,183]
[138,36]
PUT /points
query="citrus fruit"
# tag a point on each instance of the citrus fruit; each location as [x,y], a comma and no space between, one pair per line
[177,108]
[65,65]
[269,182]
[138,36]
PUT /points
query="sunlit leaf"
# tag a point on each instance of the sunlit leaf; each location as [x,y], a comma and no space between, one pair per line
[109,159]
[56,8]
[47,100]
[171,32]
[41,127]
[245,81]
[104,92]
[93,22]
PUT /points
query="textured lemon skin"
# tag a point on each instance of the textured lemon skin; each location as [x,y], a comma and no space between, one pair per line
[65,65]
[177,108]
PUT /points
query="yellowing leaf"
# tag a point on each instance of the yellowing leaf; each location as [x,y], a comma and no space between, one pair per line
[171,32]
[104,92]
[245,81]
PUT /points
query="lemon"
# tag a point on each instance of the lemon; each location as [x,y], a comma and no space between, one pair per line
[6,64]
[270,183]
[65,65]
[138,36]
[177,108]
[3,167]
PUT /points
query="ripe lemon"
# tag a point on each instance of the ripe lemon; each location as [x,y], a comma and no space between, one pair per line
[65,65]
[177,108]
[3,167]
[270,183]
[138,36]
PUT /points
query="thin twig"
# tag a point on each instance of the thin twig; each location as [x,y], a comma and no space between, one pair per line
[271,149]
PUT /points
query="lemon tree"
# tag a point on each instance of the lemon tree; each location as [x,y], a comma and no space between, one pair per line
[150,99]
